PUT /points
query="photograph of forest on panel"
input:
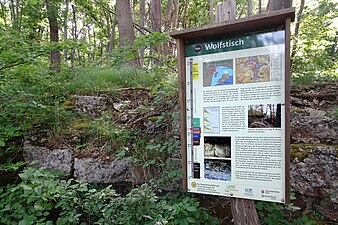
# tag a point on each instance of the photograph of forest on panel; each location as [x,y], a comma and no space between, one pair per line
[253,69]
[264,116]
[218,73]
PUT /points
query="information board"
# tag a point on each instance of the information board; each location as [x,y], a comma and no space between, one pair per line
[235,116]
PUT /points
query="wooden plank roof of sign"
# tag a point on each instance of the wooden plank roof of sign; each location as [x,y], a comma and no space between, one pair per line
[252,23]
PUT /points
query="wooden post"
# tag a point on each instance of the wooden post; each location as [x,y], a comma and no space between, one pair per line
[225,11]
[243,210]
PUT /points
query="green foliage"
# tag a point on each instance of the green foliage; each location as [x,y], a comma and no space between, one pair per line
[94,80]
[42,198]
[315,48]
[155,43]
[274,213]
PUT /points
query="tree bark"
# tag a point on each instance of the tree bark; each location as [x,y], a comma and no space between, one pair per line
[244,211]
[13,14]
[280,4]
[260,6]
[225,11]
[168,16]
[299,16]
[52,12]
[185,13]
[125,27]
[211,11]
[249,7]
[74,35]
[142,24]
[112,36]
[65,30]
[155,13]
[175,14]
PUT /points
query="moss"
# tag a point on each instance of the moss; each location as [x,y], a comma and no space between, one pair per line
[81,124]
[297,110]
[302,151]
[69,104]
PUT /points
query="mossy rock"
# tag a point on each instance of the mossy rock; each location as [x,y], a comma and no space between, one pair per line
[302,151]
[297,110]
[81,124]
[69,104]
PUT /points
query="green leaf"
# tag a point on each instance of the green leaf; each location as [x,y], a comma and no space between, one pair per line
[191,220]
[183,222]
[191,209]
[2,142]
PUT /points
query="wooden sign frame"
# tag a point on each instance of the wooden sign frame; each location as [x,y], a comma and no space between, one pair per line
[253,24]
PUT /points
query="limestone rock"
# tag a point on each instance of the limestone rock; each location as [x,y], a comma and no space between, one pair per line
[313,126]
[95,171]
[317,174]
[90,105]
[56,159]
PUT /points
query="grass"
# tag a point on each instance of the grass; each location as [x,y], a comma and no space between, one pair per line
[92,81]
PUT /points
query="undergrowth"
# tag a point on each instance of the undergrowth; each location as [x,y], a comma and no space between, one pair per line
[42,198]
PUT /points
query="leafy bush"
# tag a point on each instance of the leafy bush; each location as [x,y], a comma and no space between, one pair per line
[273,213]
[42,198]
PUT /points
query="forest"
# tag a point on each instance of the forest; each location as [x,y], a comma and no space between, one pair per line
[53,53]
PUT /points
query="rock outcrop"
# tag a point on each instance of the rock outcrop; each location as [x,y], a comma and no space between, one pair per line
[60,160]
[95,171]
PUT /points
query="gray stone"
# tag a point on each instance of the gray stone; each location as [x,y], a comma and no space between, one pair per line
[317,175]
[313,126]
[90,105]
[95,171]
[57,159]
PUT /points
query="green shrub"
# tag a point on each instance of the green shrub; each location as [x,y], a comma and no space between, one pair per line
[42,198]
[273,213]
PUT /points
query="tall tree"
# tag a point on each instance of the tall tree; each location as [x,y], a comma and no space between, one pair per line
[280,4]
[211,11]
[249,7]
[168,16]
[52,12]
[65,29]
[125,26]
[175,14]
[156,15]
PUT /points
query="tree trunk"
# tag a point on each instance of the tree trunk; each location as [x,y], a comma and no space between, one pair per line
[259,6]
[175,14]
[295,42]
[125,27]
[249,7]
[13,14]
[52,12]
[299,16]
[94,46]
[74,31]
[244,211]
[112,36]
[142,24]
[142,14]
[156,15]
[225,11]
[280,4]
[211,11]
[168,16]
[65,30]
[185,13]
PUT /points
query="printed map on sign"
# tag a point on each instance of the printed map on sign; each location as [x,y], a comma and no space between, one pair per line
[217,73]
[253,69]
[211,120]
